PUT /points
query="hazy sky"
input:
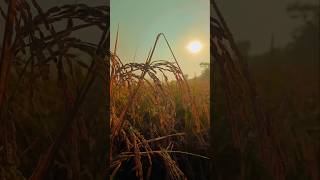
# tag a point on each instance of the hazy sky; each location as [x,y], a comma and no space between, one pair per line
[182,21]
[185,20]
[257,20]
[253,20]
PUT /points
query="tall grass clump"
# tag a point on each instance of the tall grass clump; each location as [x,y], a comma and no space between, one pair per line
[48,71]
[148,129]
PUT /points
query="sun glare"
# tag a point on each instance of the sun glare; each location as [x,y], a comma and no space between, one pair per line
[194,46]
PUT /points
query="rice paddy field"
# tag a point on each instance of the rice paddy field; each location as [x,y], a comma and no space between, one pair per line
[71,107]
[154,123]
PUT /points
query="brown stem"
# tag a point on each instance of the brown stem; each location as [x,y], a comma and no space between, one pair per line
[6,53]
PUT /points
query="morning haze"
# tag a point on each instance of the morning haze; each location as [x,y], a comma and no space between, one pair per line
[182,21]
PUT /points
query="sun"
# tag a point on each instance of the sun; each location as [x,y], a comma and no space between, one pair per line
[194,46]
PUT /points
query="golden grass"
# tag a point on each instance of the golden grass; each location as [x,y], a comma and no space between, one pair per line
[144,106]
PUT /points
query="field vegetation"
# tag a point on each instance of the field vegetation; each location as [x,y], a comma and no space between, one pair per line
[72,109]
